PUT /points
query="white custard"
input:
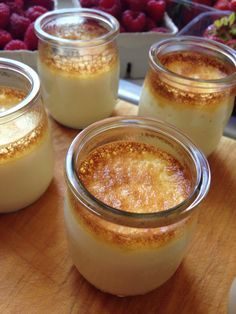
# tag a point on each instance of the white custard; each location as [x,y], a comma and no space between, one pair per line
[79,84]
[26,157]
[200,113]
[127,260]
[78,100]
[123,270]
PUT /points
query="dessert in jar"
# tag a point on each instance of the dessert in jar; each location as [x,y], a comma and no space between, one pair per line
[26,156]
[78,65]
[133,189]
[191,84]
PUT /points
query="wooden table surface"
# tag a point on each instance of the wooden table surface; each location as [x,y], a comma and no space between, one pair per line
[37,274]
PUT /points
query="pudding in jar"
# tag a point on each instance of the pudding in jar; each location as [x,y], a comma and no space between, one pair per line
[26,157]
[78,65]
[126,213]
[191,84]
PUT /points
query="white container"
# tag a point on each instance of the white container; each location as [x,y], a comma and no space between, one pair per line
[134,48]
[26,156]
[135,250]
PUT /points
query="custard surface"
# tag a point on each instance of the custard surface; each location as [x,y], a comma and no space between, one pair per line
[135,177]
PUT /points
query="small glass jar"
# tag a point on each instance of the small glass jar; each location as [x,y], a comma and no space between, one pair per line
[78,65]
[130,253]
[26,157]
[191,84]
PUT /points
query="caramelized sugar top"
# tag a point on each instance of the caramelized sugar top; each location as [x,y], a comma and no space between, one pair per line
[135,177]
[78,28]
[19,135]
[10,97]
[196,65]
[79,60]
[193,65]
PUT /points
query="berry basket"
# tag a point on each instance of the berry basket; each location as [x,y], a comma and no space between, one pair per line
[182,12]
[199,25]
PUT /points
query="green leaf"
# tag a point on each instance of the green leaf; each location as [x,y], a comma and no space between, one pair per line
[232,18]
[233,31]
[218,23]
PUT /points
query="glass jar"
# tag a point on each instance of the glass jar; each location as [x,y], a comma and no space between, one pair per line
[78,65]
[127,252]
[191,84]
[26,157]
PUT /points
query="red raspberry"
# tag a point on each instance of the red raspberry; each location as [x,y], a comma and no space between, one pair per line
[216,38]
[122,29]
[222,5]
[15,44]
[232,5]
[48,4]
[30,38]
[133,21]
[231,43]
[4,15]
[160,30]
[156,10]
[18,25]
[89,3]
[150,24]
[5,37]
[136,5]
[204,2]
[16,6]
[34,12]
[112,7]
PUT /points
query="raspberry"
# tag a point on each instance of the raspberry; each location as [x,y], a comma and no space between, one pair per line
[89,3]
[222,5]
[15,44]
[30,38]
[4,15]
[16,6]
[34,12]
[112,7]
[232,5]
[231,43]
[48,4]
[160,30]
[18,25]
[156,10]
[136,5]
[150,24]
[5,37]
[133,21]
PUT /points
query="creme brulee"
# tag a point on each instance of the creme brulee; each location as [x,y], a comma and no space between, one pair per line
[26,159]
[132,183]
[79,76]
[186,88]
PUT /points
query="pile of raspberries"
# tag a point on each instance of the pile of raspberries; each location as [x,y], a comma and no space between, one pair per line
[17,23]
[133,15]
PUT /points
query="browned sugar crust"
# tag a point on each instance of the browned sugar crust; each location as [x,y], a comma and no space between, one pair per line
[128,238]
[135,177]
[190,65]
[83,61]
[196,65]
[85,30]
[19,147]
[9,97]
[120,164]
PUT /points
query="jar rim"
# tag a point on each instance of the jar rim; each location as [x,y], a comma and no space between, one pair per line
[229,53]
[135,219]
[32,77]
[108,19]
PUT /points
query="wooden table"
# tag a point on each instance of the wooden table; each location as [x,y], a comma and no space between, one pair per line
[37,275]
